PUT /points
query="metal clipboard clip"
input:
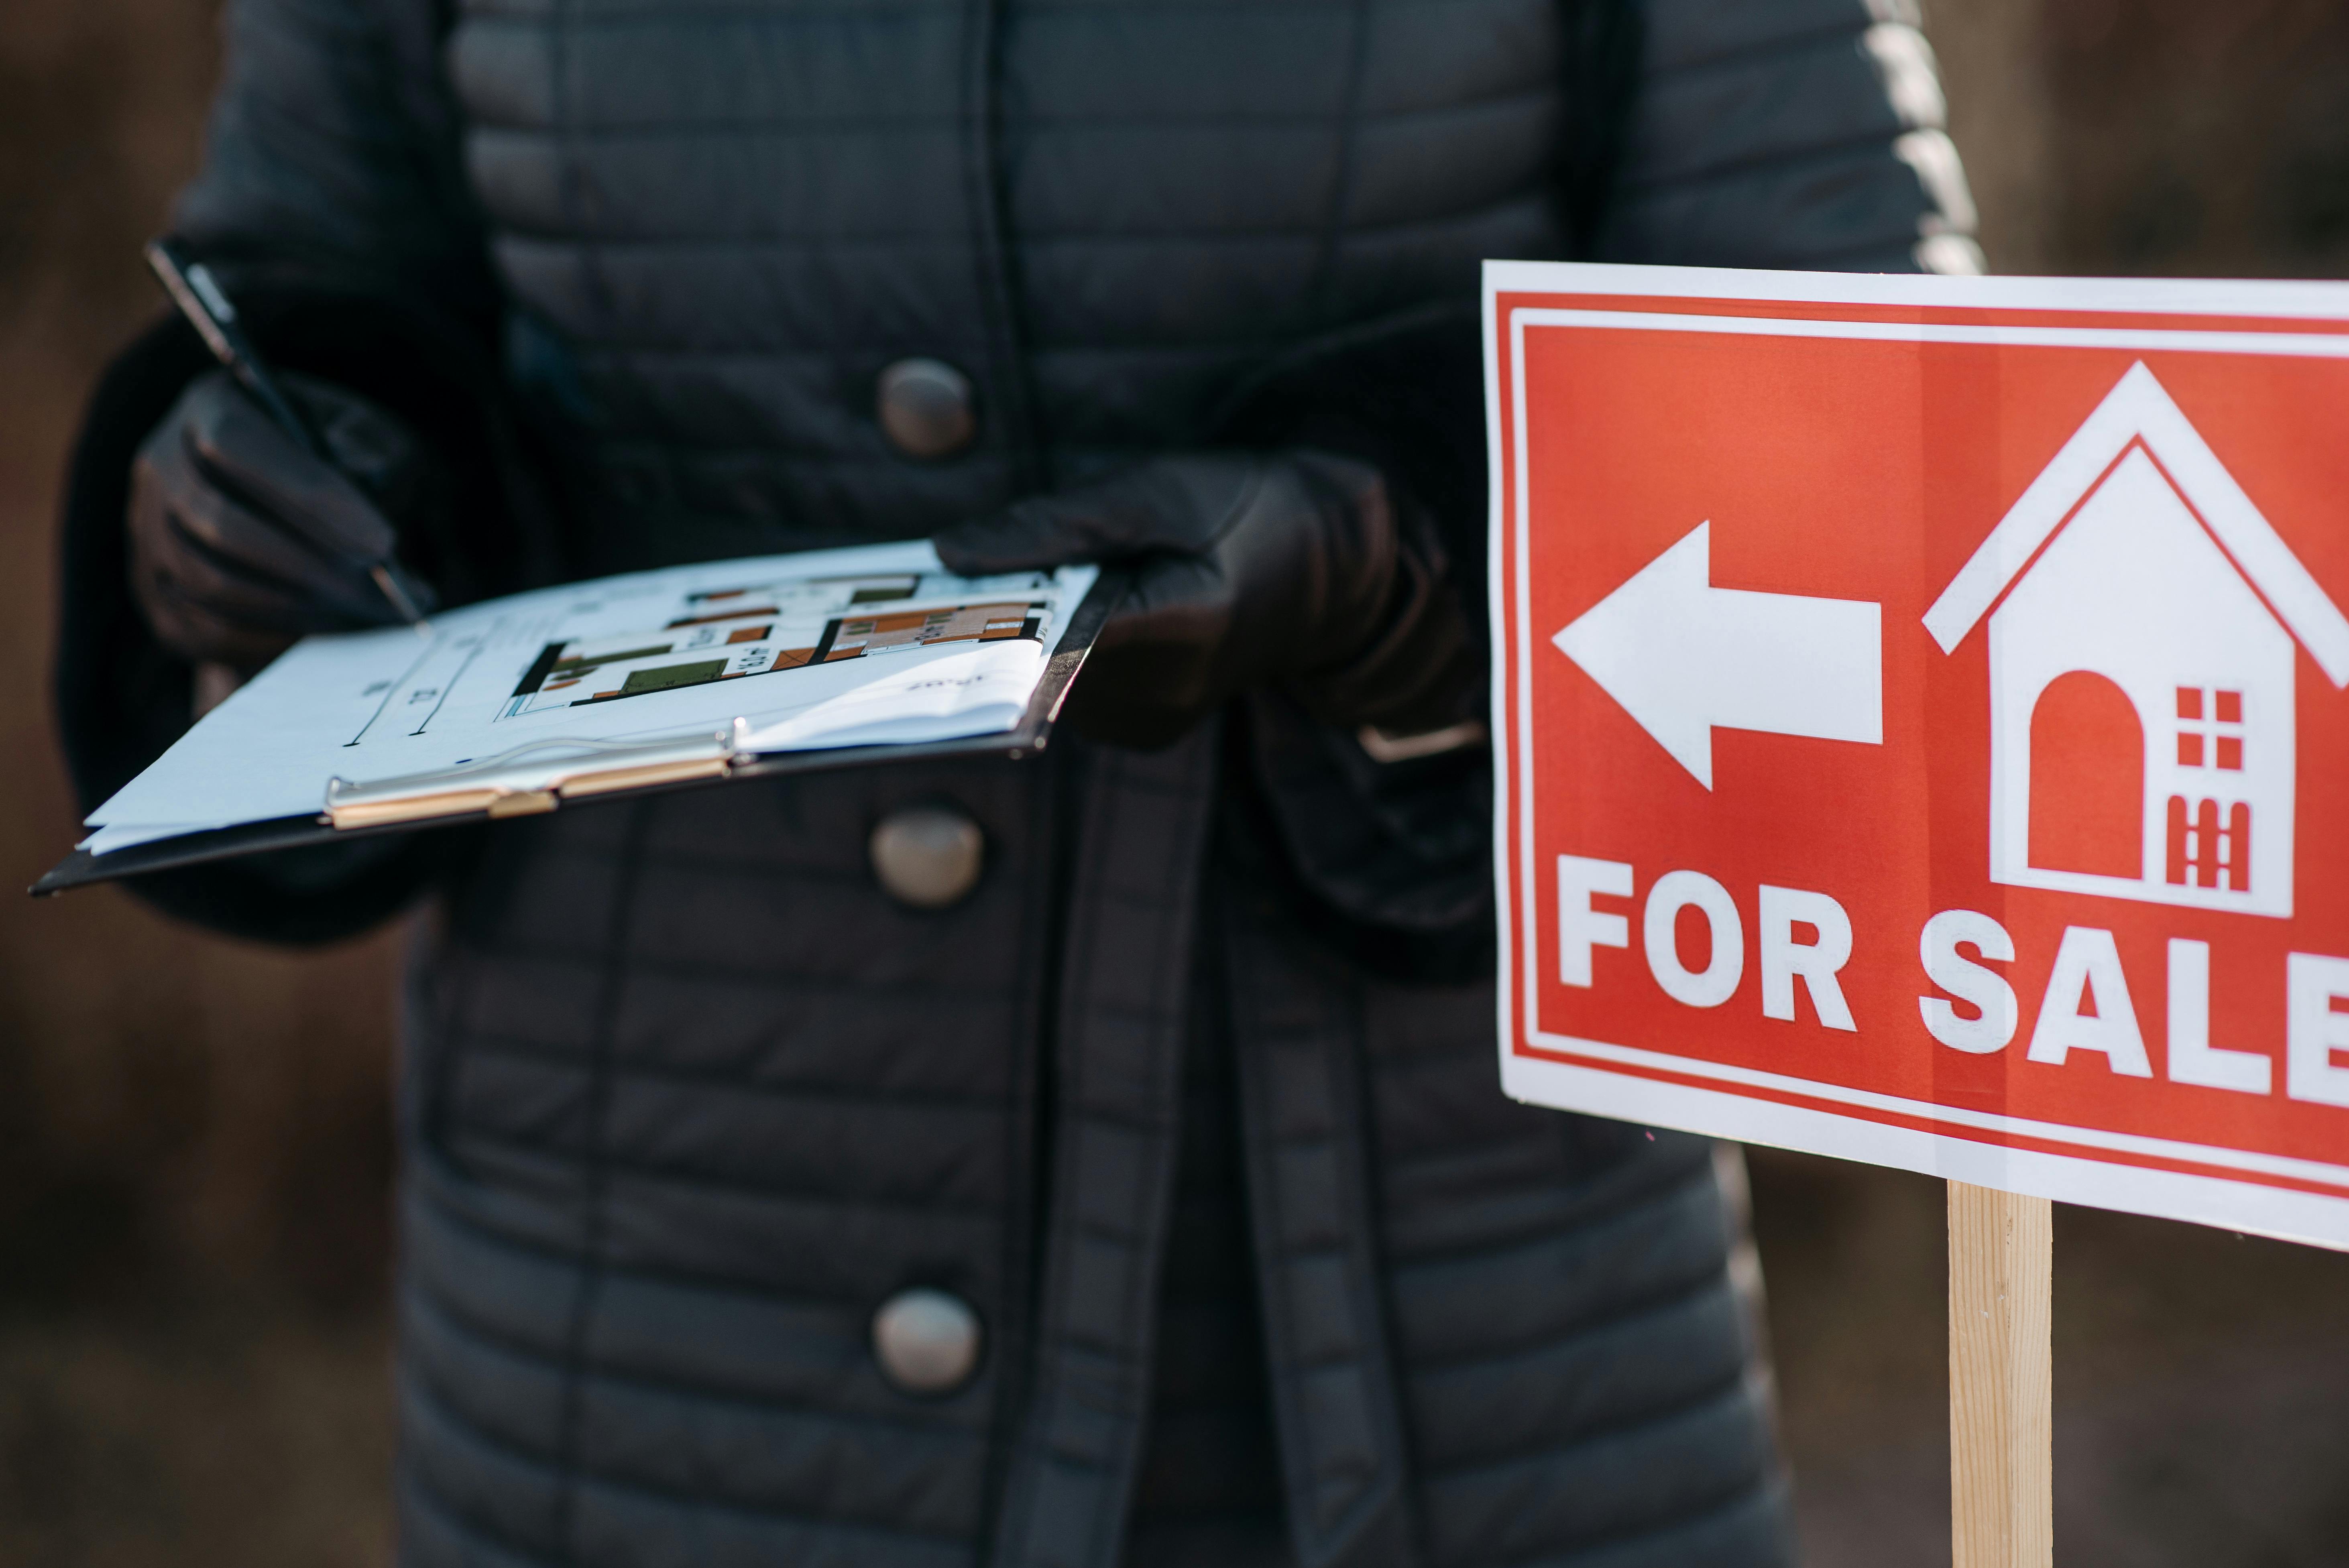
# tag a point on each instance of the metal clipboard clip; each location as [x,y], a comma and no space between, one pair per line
[534,778]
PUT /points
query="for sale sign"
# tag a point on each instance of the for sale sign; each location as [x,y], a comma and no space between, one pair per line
[1920,726]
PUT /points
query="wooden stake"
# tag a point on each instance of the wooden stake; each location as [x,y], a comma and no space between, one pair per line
[2001,1486]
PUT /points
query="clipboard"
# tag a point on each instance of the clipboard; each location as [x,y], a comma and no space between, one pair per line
[549,774]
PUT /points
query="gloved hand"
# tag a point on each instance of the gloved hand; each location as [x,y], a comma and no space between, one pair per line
[242,542]
[1283,568]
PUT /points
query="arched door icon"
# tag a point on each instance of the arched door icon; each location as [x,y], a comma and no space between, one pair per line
[2087,778]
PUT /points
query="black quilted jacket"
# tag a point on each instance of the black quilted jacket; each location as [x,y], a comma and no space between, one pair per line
[686,1094]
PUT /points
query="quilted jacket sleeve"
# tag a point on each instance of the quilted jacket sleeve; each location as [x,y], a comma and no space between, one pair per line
[333,152]
[1788,133]
[332,204]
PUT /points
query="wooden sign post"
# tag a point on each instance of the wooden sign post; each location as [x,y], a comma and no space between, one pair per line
[2002,1476]
[1921,737]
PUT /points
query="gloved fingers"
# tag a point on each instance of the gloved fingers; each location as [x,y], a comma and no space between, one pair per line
[1176,601]
[179,512]
[1177,505]
[370,446]
[250,593]
[1155,670]
[241,562]
[1357,484]
[191,632]
[1416,673]
[1285,568]
[242,450]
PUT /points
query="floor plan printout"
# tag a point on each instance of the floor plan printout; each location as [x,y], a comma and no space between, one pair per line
[839,647]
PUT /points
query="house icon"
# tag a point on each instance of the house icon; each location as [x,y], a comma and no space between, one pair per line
[2142,622]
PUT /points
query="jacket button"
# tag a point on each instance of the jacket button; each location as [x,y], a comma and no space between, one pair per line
[926,408]
[926,1341]
[926,856]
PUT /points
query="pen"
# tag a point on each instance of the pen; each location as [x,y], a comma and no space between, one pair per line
[197,295]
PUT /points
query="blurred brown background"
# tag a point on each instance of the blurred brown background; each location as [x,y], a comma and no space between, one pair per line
[193,1151]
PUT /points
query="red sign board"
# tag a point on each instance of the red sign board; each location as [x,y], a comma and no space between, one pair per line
[1919,723]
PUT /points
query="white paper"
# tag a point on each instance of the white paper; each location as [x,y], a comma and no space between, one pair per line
[837,647]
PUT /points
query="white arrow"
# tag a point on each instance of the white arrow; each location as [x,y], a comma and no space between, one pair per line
[1685,657]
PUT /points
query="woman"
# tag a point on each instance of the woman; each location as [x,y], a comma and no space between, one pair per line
[1086,1159]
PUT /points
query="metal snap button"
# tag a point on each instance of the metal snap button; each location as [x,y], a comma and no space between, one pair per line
[926,1341]
[926,408]
[926,857]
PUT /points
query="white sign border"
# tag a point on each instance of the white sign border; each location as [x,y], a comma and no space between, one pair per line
[2251,1206]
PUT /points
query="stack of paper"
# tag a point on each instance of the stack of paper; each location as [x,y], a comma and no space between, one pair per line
[830,648]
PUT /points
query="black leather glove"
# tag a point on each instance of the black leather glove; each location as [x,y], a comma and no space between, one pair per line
[242,542]
[1292,568]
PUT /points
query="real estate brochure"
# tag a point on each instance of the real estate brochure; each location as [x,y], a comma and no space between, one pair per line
[645,680]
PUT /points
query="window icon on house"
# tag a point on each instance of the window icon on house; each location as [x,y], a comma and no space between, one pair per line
[2144,622]
[2201,851]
